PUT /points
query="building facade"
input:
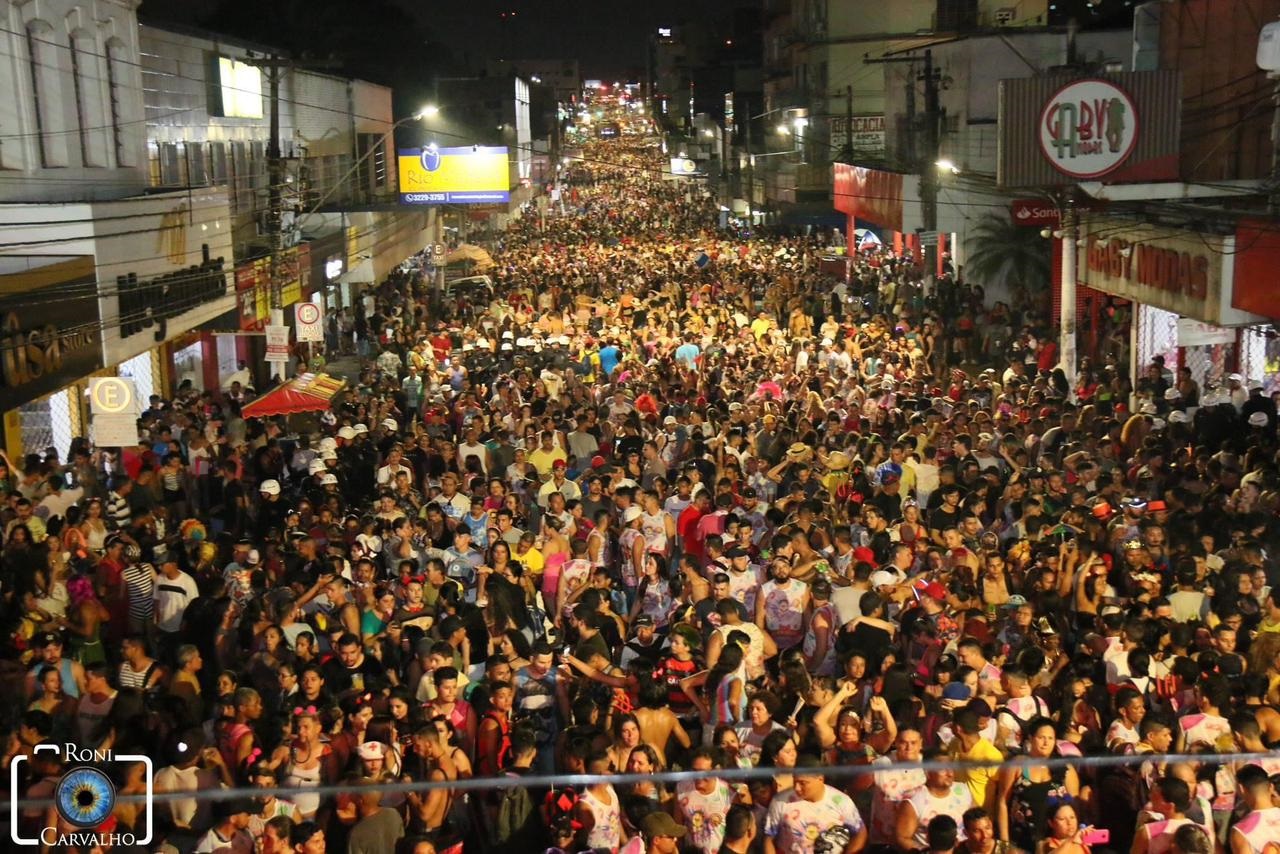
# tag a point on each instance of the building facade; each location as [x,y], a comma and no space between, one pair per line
[134,192]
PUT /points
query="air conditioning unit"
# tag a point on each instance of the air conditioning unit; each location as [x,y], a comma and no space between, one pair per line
[956,16]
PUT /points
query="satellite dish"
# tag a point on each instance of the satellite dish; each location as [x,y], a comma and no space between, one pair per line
[1269,47]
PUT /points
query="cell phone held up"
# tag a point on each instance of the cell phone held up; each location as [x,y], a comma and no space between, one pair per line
[1096,836]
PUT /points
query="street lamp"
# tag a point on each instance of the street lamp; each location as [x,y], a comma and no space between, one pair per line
[427,112]
[947,166]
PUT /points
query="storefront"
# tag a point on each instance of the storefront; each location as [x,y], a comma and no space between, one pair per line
[49,343]
[164,262]
[890,203]
[329,265]
[1180,284]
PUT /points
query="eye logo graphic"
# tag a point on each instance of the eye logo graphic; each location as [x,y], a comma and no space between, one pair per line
[84,799]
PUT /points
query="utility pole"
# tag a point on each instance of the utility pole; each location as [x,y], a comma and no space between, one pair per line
[928,166]
[924,162]
[274,67]
[844,154]
[751,165]
[1067,298]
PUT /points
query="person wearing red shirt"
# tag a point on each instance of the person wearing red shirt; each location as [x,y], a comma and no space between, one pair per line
[687,525]
[441,343]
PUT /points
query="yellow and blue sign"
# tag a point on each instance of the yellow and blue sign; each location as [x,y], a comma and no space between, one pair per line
[450,176]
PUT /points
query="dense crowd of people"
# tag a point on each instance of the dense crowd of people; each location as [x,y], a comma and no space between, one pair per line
[667,501]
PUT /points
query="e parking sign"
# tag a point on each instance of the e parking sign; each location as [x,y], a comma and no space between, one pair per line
[112,396]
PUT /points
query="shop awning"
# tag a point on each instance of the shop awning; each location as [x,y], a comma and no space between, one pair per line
[303,393]
[470,252]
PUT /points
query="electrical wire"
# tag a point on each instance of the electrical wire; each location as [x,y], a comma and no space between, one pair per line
[672,778]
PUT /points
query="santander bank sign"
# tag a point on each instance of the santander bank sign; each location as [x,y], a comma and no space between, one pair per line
[1088,128]
[1034,213]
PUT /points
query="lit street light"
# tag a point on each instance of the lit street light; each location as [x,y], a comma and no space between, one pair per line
[429,111]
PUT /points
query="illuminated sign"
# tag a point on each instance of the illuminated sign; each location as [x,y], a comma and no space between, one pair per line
[463,175]
[683,166]
[1088,128]
[240,89]
[664,32]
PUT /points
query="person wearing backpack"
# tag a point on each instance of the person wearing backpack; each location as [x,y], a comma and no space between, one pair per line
[515,821]
[493,739]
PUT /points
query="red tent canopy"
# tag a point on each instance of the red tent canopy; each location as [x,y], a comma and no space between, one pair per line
[303,393]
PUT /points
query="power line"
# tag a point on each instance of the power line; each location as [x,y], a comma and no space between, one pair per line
[552,781]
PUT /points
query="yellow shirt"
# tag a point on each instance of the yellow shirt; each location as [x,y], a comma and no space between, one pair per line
[532,560]
[544,460]
[759,327]
[977,779]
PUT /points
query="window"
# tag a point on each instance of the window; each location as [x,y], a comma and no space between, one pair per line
[170,164]
[46,94]
[240,178]
[258,179]
[197,165]
[91,116]
[371,148]
[115,70]
[218,171]
[77,75]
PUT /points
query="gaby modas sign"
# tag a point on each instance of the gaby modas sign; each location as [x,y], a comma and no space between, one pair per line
[1057,130]
[1088,128]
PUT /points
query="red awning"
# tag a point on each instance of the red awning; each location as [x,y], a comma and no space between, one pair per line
[303,393]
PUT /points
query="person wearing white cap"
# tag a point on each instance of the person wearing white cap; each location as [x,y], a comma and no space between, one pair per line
[1236,391]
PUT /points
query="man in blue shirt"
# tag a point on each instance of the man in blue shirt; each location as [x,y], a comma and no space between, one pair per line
[608,359]
[687,353]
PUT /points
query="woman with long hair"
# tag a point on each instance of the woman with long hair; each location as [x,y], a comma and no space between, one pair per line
[654,596]
[645,760]
[779,750]
[725,700]
[1026,791]
[507,612]
[1062,832]
[626,738]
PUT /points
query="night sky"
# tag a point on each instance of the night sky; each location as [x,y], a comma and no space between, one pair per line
[605,36]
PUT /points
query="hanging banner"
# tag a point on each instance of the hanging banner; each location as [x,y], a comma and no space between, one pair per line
[309,321]
[277,344]
[1195,333]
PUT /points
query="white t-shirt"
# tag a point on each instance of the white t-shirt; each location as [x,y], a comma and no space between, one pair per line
[927,806]
[794,824]
[891,788]
[704,814]
[172,596]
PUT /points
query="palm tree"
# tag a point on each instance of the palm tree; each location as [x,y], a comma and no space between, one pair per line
[999,249]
